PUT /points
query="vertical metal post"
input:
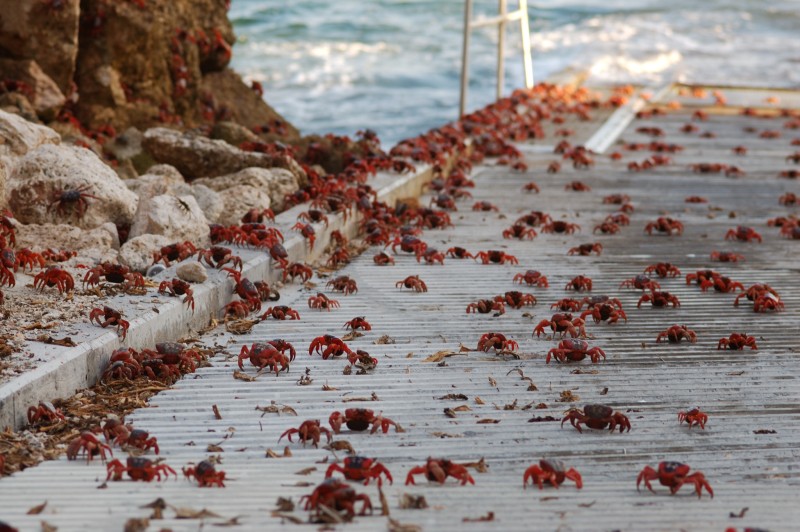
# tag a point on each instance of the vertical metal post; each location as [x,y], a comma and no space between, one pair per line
[524,29]
[465,57]
[501,45]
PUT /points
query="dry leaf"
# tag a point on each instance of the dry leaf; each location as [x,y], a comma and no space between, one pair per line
[63,342]
[568,397]
[191,513]
[216,412]
[479,401]
[488,421]
[36,510]
[341,445]
[587,504]
[541,406]
[479,466]
[441,355]
[288,517]
[242,376]
[396,526]
[449,412]
[492,382]
[137,525]
[384,502]
[214,448]
[511,406]
[739,515]
[372,397]
[604,391]
[412,502]
[284,504]
[579,371]
[453,397]
[328,388]
[446,435]
[410,355]
[38,325]
[233,521]
[482,519]
[306,471]
[538,419]
[462,408]
[158,506]
[275,408]
[352,335]
[47,527]
[385,339]
[240,326]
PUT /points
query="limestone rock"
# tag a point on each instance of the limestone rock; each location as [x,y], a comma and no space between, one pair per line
[191,272]
[43,174]
[210,201]
[48,34]
[18,136]
[195,156]
[43,93]
[137,252]
[275,182]
[233,133]
[160,179]
[177,218]
[94,245]
[238,200]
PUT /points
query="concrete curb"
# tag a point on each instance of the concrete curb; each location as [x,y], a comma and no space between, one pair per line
[81,366]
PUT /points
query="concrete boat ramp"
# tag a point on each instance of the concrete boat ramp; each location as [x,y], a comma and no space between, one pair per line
[491,410]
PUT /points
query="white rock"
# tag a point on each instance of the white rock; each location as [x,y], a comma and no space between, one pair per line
[275,182]
[137,253]
[42,174]
[210,202]
[178,218]
[98,244]
[192,272]
[238,200]
[18,136]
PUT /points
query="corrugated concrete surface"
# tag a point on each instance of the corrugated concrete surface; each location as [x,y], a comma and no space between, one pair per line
[749,450]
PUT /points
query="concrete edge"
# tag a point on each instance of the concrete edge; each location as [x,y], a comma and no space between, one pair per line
[81,366]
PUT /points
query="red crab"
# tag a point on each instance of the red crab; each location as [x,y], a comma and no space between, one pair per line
[174,252]
[308,232]
[309,430]
[766,302]
[413,282]
[616,199]
[552,471]
[520,231]
[659,299]
[531,187]
[496,341]
[754,291]
[245,289]
[607,228]
[73,199]
[579,283]
[322,302]
[663,270]
[360,468]
[339,255]
[409,244]
[382,259]
[516,299]
[123,364]
[140,439]
[281,312]
[344,284]
[562,323]
[360,419]
[257,216]
[358,323]
[534,218]
[618,218]
[88,444]
[328,346]
[695,199]
[531,278]
[586,249]
[496,257]
[559,226]
[138,468]
[597,417]
[205,474]
[567,304]
[337,496]
[459,253]
[28,259]
[296,269]
[313,216]
[743,234]
[702,277]
[605,312]
[260,355]
[431,256]
[721,283]
[110,317]
[788,199]
[676,333]
[485,306]
[438,469]
[484,206]
[664,225]
[574,350]
[46,412]
[113,273]
[218,256]
[674,475]
[693,417]
[737,341]
[54,276]
[577,186]
[177,287]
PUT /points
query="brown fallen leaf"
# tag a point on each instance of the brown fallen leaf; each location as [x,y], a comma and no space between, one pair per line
[449,412]
[289,517]
[242,376]
[396,526]
[541,406]
[487,420]
[385,339]
[604,391]
[269,453]
[479,401]
[306,471]
[137,525]
[233,521]
[511,406]
[214,448]
[739,515]
[284,505]
[216,411]
[36,510]
[579,371]
[276,408]
[441,355]
[352,335]
[328,388]
[191,513]
[446,435]
[384,502]
[480,466]
[39,325]
[158,506]
[462,408]
[373,397]
[568,397]
[538,419]
[410,355]
[587,504]
[765,431]
[63,342]
[453,397]
[47,527]
[488,517]
[412,502]
[240,326]
[492,382]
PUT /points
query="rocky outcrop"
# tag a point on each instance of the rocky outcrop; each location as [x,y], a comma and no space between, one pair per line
[137,253]
[273,184]
[44,187]
[98,244]
[195,156]
[178,218]
[26,77]
[19,136]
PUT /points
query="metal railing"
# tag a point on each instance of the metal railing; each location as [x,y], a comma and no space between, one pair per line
[503,18]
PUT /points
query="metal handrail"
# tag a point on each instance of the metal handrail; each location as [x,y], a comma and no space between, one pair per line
[503,17]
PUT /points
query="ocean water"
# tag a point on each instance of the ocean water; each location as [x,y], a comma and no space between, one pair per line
[393,65]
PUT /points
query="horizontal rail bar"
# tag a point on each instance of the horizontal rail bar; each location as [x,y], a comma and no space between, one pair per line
[510,17]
